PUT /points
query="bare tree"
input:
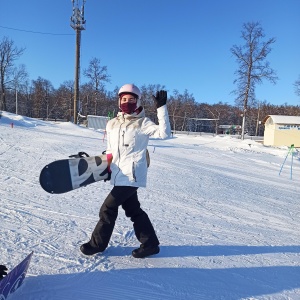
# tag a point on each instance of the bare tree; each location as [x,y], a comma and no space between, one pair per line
[180,107]
[253,67]
[26,106]
[174,108]
[19,79]
[42,97]
[215,111]
[97,75]
[64,96]
[8,54]
[297,87]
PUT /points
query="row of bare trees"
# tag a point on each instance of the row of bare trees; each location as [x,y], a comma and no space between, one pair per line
[41,100]
[38,98]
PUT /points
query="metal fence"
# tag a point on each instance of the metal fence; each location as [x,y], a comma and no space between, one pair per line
[97,122]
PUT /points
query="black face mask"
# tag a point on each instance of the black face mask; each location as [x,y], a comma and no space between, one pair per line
[128,107]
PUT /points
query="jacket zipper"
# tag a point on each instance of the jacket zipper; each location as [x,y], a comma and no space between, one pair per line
[119,148]
[123,137]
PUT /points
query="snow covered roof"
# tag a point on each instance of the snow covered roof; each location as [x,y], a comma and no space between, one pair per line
[279,119]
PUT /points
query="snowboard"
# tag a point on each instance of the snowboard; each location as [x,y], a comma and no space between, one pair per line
[14,279]
[65,175]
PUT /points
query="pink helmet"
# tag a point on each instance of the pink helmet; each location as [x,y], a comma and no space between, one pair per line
[130,88]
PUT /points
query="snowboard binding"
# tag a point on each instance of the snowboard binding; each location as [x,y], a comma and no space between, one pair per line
[79,154]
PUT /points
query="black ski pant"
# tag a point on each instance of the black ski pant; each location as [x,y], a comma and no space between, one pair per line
[127,197]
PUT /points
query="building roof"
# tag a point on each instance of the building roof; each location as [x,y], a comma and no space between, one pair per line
[279,119]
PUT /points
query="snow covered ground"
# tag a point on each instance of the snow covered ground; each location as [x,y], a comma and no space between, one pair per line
[227,222]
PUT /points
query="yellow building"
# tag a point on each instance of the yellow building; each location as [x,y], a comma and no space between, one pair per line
[282,130]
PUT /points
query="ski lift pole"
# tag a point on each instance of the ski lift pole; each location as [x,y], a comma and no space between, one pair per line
[292,162]
[290,151]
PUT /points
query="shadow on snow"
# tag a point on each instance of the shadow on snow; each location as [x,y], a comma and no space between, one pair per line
[170,283]
[163,283]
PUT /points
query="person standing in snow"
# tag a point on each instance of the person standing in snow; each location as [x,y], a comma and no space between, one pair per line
[127,139]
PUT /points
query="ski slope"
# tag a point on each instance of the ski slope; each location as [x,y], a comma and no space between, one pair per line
[227,222]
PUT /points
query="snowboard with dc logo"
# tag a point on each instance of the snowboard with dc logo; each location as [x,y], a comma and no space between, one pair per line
[65,175]
[14,279]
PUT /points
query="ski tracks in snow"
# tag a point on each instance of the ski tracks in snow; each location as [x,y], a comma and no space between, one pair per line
[228,229]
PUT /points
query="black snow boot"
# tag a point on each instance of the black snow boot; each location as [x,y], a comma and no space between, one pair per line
[87,249]
[144,252]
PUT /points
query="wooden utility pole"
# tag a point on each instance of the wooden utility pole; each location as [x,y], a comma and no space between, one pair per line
[78,24]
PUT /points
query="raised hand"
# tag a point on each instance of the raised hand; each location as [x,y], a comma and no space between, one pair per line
[160,99]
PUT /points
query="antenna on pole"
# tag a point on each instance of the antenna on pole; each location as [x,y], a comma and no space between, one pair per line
[78,24]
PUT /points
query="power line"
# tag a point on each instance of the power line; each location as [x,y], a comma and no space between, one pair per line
[37,32]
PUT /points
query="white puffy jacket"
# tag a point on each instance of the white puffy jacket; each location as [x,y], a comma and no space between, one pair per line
[127,140]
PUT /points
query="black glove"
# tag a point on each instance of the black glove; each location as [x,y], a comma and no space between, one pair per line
[3,272]
[109,175]
[160,99]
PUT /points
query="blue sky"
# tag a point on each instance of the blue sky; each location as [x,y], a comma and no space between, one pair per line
[182,44]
